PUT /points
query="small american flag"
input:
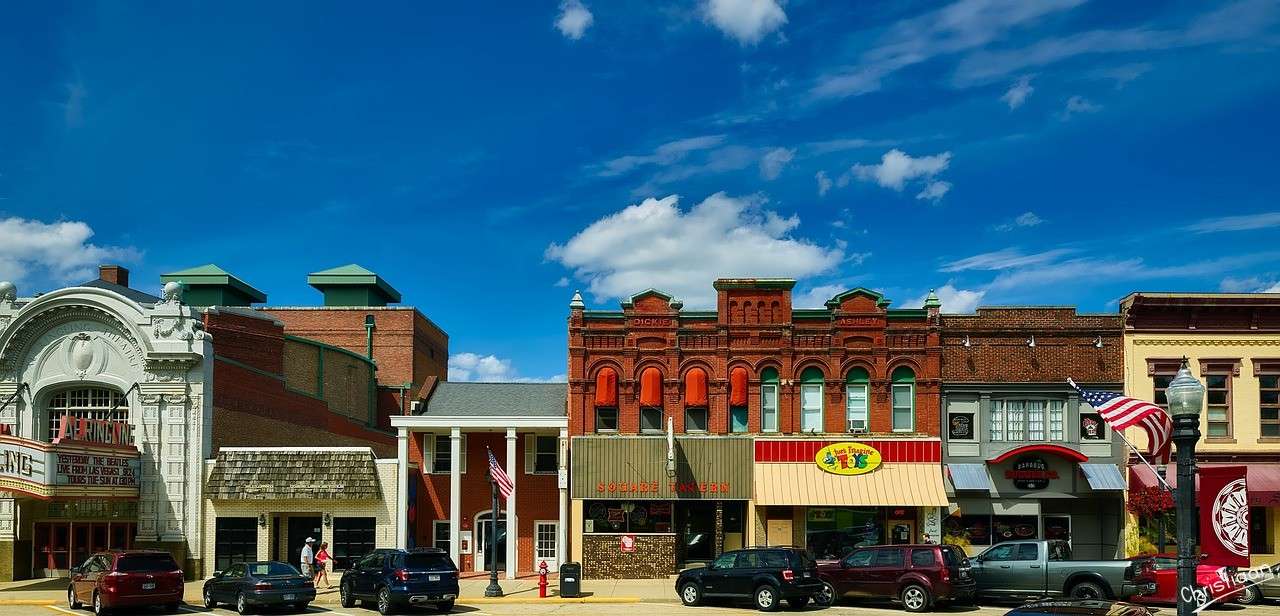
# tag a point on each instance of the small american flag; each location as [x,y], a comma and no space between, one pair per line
[505,487]
[1120,412]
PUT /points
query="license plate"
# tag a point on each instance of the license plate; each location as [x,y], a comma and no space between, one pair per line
[807,574]
[290,597]
[149,586]
[433,577]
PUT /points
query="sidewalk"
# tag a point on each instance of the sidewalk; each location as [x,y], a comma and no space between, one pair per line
[524,590]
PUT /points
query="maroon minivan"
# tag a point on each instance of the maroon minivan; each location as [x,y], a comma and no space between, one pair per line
[136,578]
[919,576]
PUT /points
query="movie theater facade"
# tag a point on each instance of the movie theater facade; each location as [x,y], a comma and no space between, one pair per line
[103,402]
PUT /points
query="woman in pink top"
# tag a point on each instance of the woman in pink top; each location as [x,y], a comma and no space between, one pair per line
[322,565]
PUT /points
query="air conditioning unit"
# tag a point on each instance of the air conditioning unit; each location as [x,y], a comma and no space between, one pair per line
[857,425]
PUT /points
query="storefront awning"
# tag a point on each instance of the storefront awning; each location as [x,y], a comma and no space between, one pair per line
[891,485]
[1262,480]
[1103,476]
[969,476]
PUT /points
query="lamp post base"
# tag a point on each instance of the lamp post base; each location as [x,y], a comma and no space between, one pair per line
[493,589]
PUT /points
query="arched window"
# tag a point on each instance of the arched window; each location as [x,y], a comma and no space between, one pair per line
[738,379]
[904,399]
[98,403]
[651,400]
[607,400]
[811,400]
[855,400]
[695,400]
[769,400]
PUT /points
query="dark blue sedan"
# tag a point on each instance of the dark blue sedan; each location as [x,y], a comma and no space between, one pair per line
[259,584]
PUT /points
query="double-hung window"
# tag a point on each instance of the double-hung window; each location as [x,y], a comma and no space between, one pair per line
[769,400]
[437,454]
[1268,397]
[1217,376]
[811,400]
[855,395]
[904,399]
[1056,423]
[541,454]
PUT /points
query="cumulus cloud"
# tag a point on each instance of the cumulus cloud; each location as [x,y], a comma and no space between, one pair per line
[774,161]
[563,282]
[1025,219]
[574,19]
[897,169]
[1017,94]
[53,253]
[747,21]
[1077,105]
[816,297]
[824,183]
[1250,285]
[657,244]
[953,300]
[473,367]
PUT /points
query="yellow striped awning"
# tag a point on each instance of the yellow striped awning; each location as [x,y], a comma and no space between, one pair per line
[892,485]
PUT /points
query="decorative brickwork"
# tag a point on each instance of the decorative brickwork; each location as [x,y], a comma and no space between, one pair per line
[1086,347]
[603,559]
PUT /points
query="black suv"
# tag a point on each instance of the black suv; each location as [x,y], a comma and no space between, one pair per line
[397,578]
[764,575]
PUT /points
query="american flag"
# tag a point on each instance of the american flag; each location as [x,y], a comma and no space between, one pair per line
[505,487]
[1120,412]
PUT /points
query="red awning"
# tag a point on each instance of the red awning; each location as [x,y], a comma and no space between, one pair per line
[650,387]
[1262,479]
[606,388]
[1057,450]
[695,387]
[738,386]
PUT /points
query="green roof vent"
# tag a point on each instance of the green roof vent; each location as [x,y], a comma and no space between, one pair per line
[210,285]
[352,285]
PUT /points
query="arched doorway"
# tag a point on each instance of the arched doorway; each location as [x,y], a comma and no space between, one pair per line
[484,561]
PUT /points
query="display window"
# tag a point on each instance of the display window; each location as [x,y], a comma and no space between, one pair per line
[833,532]
[609,516]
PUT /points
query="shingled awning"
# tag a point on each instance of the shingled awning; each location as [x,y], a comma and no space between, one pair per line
[307,473]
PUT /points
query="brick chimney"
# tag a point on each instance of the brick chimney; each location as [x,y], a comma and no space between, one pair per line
[115,274]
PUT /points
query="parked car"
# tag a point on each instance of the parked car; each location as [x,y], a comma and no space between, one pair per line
[137,578]
[398,578]
[259,584]
[1216,581]
[1259,584]
[917,575]
[766,576]
[1035,569]
[1080,607]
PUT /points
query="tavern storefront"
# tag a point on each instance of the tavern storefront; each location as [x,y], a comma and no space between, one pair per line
[645,506]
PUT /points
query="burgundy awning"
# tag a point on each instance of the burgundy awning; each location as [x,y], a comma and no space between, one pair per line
[1262,480]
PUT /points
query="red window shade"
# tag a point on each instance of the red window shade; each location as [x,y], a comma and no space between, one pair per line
[738,386]
[607,388]
[650,387]
[695,387]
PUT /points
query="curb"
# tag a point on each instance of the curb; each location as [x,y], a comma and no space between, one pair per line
[30,602]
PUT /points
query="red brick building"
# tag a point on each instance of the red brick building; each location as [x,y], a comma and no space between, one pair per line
[756,369]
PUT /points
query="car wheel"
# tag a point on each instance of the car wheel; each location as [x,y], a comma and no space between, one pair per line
[445,606]
[690,594]
[1250,596]
[915,598]
[825,597]
[98,607]
[766,599]
[344,596]
[72,601]
[208,599]
[242,607]
[1087,590]
[384,602]
[797,603]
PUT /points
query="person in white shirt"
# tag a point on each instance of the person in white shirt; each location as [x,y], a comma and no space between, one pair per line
[308,557]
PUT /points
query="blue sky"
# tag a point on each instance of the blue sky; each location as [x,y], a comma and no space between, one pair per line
[489,158]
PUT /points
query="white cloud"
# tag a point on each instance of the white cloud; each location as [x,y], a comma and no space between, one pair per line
[1122,74]
[574,19]
[1007,258]
[1017,94]
[747,21]
[664,155]
[1246,222]
[817,297]
[1025,219]
[897,168]
[1250,285]
[473,367]
[656,244]
[1072,270]
[824,183]
[774,161]
[1076,105]
[953,300]
[1275,288]
[563,282]
[53,253]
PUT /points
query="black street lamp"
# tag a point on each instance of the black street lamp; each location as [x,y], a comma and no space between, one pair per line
[493,589]
[1185,395]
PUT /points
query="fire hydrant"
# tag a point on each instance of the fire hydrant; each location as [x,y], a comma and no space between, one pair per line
[542,580]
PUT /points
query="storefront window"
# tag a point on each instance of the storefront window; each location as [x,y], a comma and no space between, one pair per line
[769,400]
[352,538]
[1014,527]
[811,400]
[904,399]
[1259,531]
[856,400]
[607,516]
[833,532]
[967,530]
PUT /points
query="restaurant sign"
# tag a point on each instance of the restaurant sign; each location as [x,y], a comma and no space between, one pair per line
[848,458]
[1031,473]
[44,470]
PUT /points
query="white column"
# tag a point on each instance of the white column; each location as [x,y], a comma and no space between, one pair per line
[455,495]
[562,550]
[402,488]
[513,534]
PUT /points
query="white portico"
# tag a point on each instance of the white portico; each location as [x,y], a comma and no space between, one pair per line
[525,426]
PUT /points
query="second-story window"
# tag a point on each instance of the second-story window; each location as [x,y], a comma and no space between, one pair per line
[904,399]
[738,398]
[437,454]
[769,400]
[855,396]
[811,400]
[695,400]
[1269,398]
[1056,420]
[651,400]
[606,400]
[1217,381]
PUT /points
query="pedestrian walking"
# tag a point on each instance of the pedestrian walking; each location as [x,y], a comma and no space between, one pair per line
[308,558]
[322,565]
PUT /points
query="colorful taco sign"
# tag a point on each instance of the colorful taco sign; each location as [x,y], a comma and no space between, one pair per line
[847,458]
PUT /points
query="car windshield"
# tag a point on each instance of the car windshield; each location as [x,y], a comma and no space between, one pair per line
[272,569]
[427,562]
[146,562]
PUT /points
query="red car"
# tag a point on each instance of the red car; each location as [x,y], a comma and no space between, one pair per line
[1164,569]
[110,580]
[919,576]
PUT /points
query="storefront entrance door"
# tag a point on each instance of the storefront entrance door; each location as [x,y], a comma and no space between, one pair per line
[902,532]
[484,527]
[697,524]
[299,529]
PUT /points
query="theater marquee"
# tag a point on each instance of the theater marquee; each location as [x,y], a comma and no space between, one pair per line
[46,470]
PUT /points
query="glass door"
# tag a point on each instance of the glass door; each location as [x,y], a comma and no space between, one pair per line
[484,527]
[544,545]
